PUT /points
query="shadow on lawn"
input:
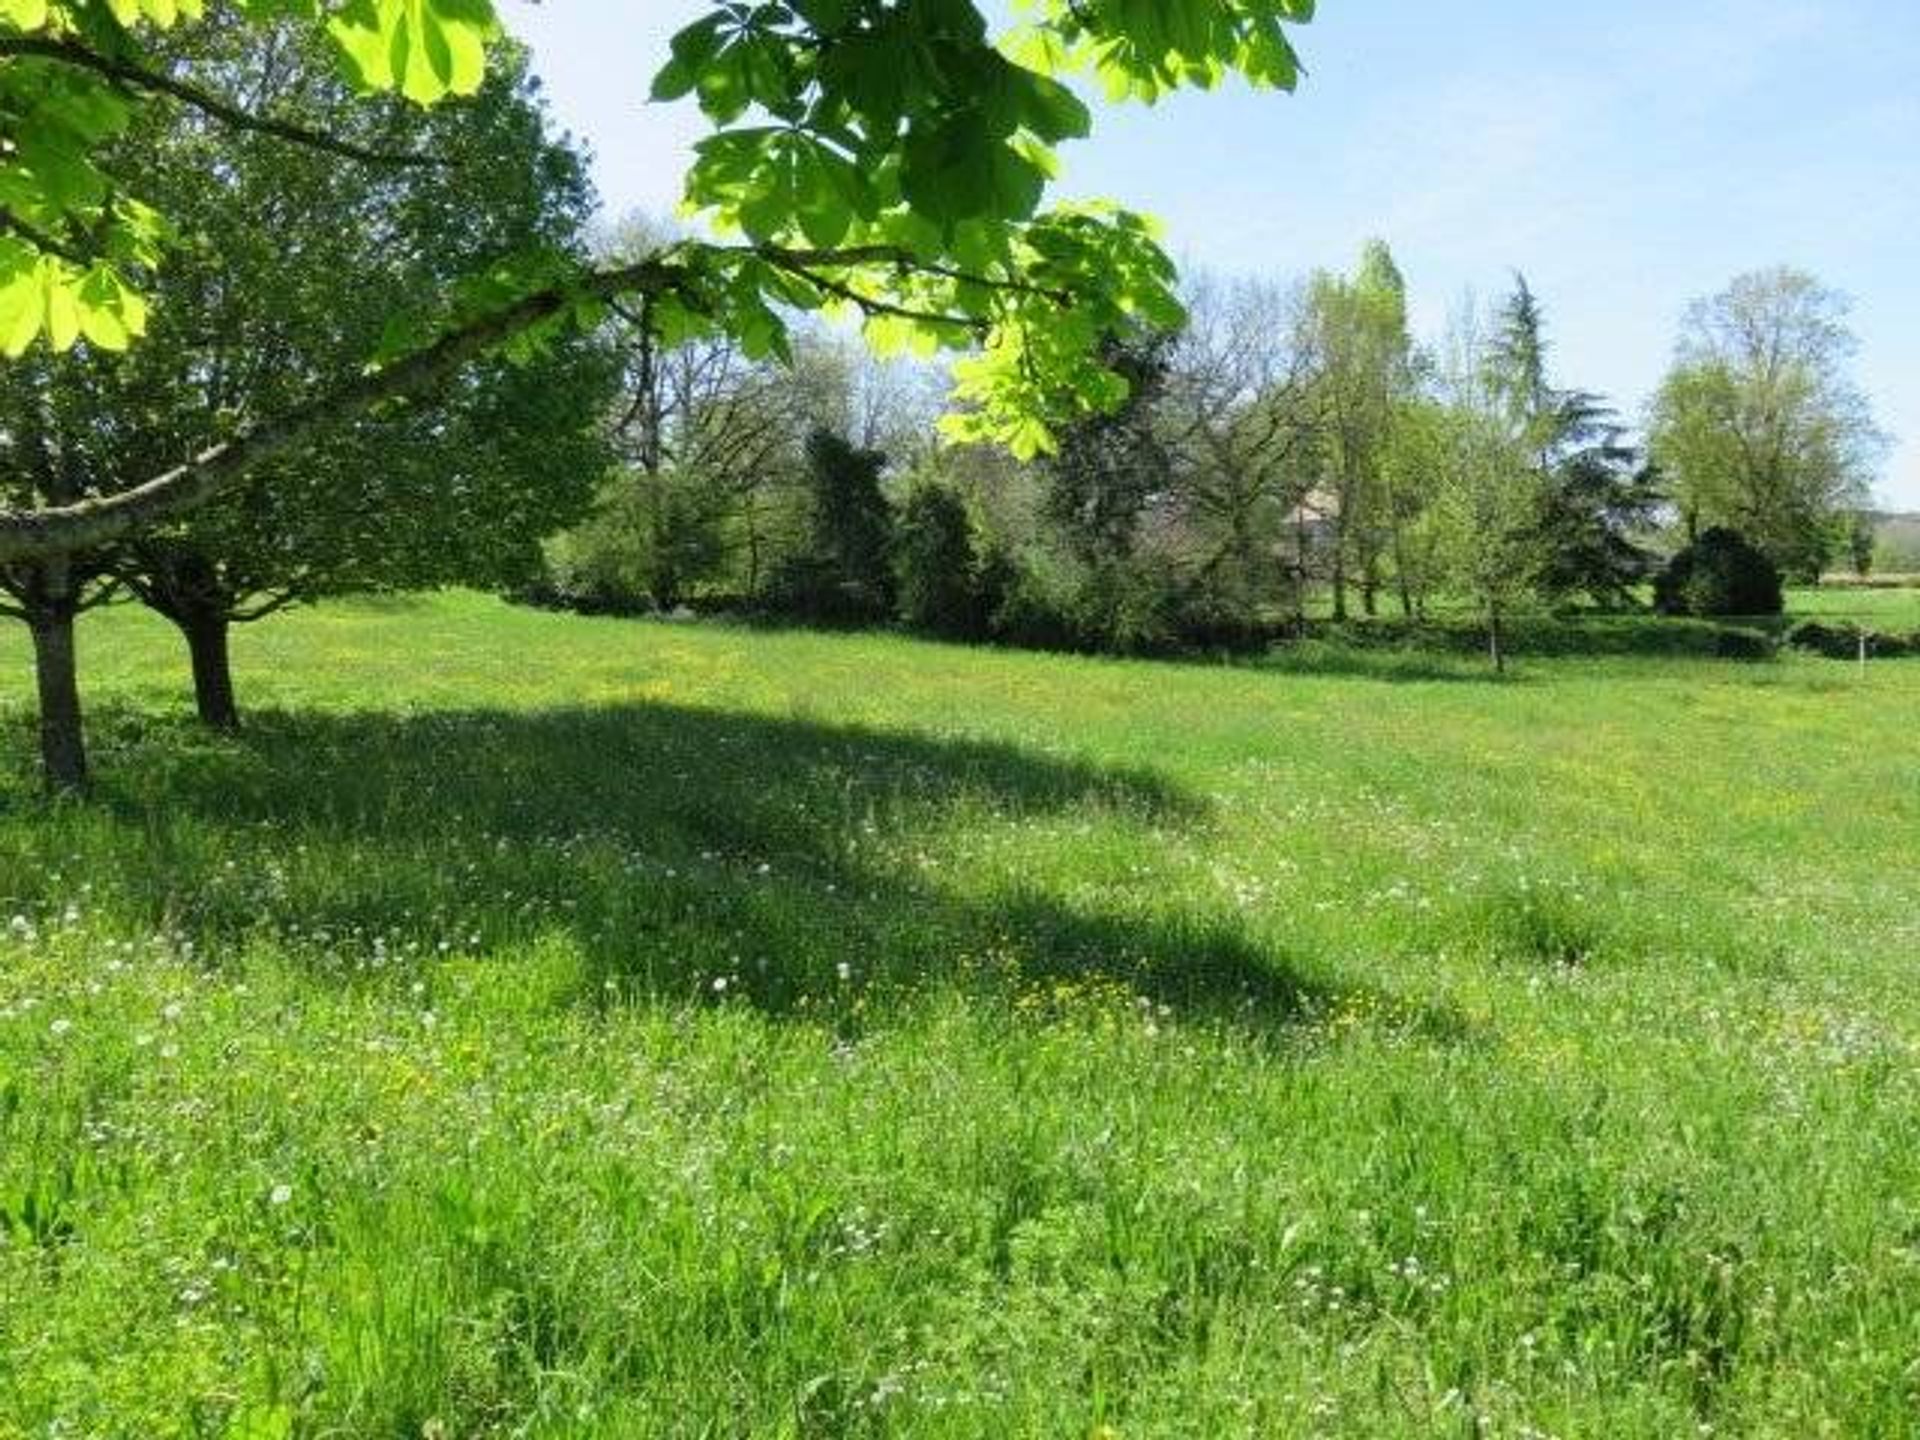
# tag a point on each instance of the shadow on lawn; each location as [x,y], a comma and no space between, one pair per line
[665,848]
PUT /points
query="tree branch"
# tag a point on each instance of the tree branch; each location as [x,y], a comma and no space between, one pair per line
[805,261]
[100,520]
[125,72]
[85,524]
[41,240]
[871,305]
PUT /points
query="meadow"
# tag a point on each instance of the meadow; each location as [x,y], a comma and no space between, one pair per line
[542,1026]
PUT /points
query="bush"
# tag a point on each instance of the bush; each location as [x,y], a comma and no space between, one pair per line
[1842,642]
[842,575]
[1138,605]
[649,540]
[1732,642]
[1205,621]
[1128,607]
[938,574]
[1035,610]
[814,589]
[1719,574]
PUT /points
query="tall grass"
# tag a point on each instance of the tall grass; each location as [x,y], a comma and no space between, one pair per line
[555,1027]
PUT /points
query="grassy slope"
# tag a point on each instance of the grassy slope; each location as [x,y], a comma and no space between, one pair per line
[563,1027]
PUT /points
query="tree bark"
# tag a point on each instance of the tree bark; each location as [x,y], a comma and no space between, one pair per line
[63,746]
[1498,654]
[213,696]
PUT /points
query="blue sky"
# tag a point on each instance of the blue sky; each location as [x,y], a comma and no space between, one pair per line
[1628,157]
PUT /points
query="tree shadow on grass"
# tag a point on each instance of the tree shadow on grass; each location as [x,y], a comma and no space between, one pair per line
[660,852]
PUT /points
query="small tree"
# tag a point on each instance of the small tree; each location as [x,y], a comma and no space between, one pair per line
[1109,467]
[1484,524]
[650,539]
[937,565]
[1721,573]
[843,574]
[1484,519]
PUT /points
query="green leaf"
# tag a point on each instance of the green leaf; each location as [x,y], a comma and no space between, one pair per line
[26,15]
[426,49]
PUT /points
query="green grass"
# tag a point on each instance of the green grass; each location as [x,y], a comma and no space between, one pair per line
[1885,609]
[537,1026]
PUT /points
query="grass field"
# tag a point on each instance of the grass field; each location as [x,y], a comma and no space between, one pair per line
[1888,609]
[537,1026]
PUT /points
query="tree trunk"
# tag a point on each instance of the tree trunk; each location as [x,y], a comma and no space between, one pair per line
[63,746]
[212,670]
[1494,649]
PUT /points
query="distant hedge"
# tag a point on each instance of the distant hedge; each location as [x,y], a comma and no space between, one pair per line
[1549,635]
[1842,642]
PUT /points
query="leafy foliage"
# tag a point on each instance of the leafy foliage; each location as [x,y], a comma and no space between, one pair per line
[1363,374]
[252,314]
[1110,467]
[1485,515]
[843,574]
[938,568]
[649,540]
[1721,573]
[1759,423]
[884,160]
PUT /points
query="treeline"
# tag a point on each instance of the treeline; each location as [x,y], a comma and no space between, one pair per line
[1293,450]
[1290,447]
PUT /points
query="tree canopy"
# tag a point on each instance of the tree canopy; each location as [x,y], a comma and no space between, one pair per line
[886,160]
[1760,424]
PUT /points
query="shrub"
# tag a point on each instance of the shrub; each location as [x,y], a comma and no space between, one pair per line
[937,572]
[1719,574]
[1035,609]
[649,540]
[1205,620]
[842,575]
[814,589]
[1734,642]
[1136,605]
[1128,607]
[1842,642]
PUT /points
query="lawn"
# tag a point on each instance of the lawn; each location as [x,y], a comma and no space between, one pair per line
[1880,609]
[537,1026]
